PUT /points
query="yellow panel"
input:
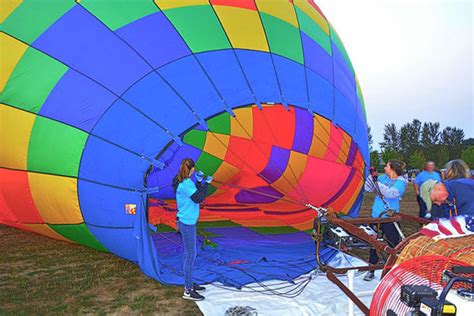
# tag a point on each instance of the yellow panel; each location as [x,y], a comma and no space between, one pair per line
[289,179]
[281,9]
[345,147]
[313,14]
[7,7]
[242,124]
[224,173]
[15,129]
[55,198]
[170,4]
[216,144]
[44,229]
[11,52]
[322,129]
[243,27]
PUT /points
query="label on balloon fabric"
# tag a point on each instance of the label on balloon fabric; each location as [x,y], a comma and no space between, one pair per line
[130,209]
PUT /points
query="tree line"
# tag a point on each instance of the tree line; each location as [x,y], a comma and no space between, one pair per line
[415,142]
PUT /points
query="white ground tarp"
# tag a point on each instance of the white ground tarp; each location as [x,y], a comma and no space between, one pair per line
[320,297]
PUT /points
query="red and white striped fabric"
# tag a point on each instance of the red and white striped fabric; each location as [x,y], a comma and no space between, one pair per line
[447,228]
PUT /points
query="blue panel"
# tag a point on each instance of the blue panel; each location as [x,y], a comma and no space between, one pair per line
[340,61]
[82,42]
[260,73]
[155,39]
[188,78]
[108,164]
[105,206]
[120,242]
[345,113]
[164,178]
[224,70]
[77,101]
[153,96]
[292,81]
[320,95]
[361,138]
[344,85]
[125,126]
[316,58]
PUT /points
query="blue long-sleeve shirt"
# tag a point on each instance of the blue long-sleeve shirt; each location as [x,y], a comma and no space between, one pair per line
[392,190]
[188,210]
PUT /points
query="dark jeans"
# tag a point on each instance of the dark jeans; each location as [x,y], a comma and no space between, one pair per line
[393,237]
[188,234]
[422,206]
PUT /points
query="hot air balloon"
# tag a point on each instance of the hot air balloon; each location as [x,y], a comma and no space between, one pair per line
[101,100]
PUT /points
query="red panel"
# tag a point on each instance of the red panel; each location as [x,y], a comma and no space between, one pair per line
[274,125]
[245,4]
[321,180]
[335,142]
[245,154]
[17,196]
[348,193]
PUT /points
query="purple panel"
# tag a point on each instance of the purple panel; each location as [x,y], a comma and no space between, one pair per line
[352,154]
[77,101]
[316,58]
[155,39]
[276,164]
[303,132]
[82,42]
[268,195]
[339,60]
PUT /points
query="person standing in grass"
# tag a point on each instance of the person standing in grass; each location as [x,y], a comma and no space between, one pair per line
[428,173]
[188,197]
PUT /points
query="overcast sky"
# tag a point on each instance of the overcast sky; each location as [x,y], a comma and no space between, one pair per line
[414,59]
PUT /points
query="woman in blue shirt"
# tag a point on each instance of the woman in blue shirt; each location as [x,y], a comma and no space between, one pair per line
[188,197]
[392,187]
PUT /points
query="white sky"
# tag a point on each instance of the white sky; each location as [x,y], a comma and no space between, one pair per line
[414,59]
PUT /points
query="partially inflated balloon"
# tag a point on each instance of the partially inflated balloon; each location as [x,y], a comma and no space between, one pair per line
[101,100]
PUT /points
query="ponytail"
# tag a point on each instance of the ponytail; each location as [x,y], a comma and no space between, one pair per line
[186,165]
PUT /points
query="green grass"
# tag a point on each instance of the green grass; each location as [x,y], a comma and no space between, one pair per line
[40,276]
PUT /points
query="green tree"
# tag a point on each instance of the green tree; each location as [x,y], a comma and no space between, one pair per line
[410,134]
[441,155]
[391,138]
[375,158]
[416,160]
[388,154]
[468,156]
[453,138]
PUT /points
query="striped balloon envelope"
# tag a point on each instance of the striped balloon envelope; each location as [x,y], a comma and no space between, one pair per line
[101,100]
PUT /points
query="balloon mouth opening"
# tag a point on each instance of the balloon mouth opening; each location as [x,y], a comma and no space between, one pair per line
[267,162]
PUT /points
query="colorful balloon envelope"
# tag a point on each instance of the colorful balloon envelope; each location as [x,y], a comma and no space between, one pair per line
[101,100]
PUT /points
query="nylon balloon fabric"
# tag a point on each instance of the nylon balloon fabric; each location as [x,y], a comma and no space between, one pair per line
[101,100]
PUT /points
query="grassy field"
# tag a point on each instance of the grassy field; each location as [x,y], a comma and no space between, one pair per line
[39,275]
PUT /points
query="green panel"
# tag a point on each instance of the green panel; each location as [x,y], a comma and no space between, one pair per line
[195,138]
[199,27]
[312,29]
[80,234]
[32,18]
[216,224]
[162,228]
[208,163]
[274,230]
[220,124]
[283,38]
[55,148]
[116,14]
[337,41]
[211,189]
[32,80]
